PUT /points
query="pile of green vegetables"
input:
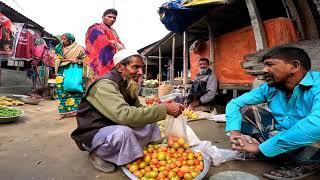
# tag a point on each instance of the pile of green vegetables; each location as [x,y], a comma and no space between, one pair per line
[9,112]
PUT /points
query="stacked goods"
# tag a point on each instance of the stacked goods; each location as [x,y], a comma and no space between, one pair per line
[10,112]
[174,161]
[151,100]
[190,114]
[153,83]
[5,101]
[164,89]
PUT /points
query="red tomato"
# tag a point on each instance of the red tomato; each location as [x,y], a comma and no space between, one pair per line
[180,174]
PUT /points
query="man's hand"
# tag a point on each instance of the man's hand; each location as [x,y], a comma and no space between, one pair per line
[248,147]
[194,104]
[241,140]
[174,109]
[236,138]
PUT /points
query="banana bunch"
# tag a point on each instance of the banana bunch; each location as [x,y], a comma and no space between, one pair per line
[190,114]
[5,101]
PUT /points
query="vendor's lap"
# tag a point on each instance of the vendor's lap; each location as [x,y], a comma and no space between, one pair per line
[258,123]
[121,144]
[254,117]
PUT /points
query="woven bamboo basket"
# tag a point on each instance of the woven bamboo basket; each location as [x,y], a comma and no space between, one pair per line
[164,89]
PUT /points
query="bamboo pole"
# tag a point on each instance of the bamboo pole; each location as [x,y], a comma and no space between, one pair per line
[185,61]
[146,59]
[257,25]
[160,69]
[211,45]
[172,59]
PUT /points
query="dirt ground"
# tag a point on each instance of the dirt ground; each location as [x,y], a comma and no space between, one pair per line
[38,147]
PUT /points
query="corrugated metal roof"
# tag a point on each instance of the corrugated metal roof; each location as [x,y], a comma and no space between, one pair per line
[15,16]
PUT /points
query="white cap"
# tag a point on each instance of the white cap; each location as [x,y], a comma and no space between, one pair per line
[123,54]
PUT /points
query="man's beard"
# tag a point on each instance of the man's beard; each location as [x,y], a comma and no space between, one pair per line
[133,89]
[272,82]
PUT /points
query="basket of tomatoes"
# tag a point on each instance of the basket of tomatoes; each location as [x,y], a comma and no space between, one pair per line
[175,160]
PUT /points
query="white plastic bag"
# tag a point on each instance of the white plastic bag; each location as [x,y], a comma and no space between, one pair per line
[192,137]
[176,128]
[215,155]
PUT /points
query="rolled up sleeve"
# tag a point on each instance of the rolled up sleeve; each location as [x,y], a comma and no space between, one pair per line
[305,132]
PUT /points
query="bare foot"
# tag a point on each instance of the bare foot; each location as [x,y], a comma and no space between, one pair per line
[62,116]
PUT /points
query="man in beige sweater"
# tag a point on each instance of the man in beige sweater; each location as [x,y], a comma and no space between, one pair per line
[112,124]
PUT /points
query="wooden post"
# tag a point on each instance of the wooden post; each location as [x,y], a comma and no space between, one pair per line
[258,29]
[234,93]
[294,15]
[46,75]
[160,69]
[211,44]
[172,59]
[308,21]
[257,25]
[146,59]
[185,61]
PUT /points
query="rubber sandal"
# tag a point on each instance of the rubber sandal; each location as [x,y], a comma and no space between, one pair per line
[291,173]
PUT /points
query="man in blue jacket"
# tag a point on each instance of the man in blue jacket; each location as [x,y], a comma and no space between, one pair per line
[292,128]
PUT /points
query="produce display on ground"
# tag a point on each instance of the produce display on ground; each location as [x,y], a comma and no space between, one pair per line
[190,114]
[152,83]
[34,96]
[151,100]
[172,161]
[10,112]
[5,101]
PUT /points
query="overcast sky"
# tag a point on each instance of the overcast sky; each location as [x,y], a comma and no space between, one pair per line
[138,22]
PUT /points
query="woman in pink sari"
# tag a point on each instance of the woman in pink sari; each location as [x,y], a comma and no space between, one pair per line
[102,42]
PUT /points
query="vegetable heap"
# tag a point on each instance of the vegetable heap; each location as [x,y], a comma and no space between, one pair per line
[9,112]
[5,101]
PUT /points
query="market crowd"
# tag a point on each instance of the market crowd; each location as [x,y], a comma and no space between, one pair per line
[99,85]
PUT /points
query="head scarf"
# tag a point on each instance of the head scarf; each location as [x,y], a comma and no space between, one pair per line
[59,47]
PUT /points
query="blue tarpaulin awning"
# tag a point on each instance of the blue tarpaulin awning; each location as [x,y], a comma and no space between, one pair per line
[177,18]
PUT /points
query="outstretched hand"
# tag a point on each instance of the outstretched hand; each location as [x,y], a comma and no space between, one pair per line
[174,109]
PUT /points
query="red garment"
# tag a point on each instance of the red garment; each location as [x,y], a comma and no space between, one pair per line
[25,46]
[5,27]
[48,57]
[99,49]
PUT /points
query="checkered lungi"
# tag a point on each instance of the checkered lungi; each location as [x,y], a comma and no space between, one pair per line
[259,124]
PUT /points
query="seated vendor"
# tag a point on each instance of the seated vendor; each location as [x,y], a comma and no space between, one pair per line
[203,89]
[112,124]
[292,128]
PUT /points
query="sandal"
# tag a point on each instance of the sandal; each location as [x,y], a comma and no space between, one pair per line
[67,115]
[100,164]
[292,172]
